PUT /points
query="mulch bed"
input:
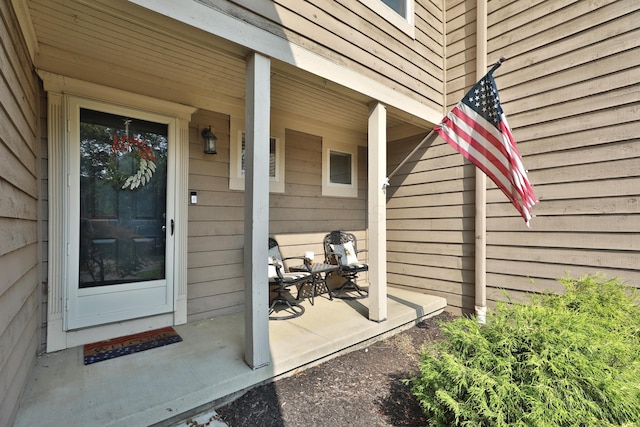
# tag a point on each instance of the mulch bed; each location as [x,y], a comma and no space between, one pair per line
[360,388]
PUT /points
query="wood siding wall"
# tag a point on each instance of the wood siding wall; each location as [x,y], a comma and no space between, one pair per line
[341,30]
[430,208]
[19,277]
[430,224]
[299,217]
[571,91]
[216,226]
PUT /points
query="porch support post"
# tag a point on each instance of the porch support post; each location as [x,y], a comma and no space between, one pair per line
[377,212]
[256,210]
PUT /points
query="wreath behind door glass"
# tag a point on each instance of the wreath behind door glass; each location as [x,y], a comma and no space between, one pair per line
[142,151]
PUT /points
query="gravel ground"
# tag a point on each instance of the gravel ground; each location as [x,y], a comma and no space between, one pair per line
[360,388]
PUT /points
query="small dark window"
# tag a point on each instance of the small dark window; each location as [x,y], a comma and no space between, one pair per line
[400,6]
[340,168]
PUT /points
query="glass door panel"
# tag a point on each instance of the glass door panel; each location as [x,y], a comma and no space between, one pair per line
[123,192]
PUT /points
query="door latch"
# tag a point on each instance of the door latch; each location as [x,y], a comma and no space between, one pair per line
[164,227]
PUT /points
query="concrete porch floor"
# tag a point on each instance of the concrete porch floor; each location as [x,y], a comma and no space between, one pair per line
[168,384]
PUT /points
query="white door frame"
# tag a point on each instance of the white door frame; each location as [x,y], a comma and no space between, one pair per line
[59,88]
[100,305]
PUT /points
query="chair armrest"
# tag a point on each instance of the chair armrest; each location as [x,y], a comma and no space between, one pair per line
[305,260]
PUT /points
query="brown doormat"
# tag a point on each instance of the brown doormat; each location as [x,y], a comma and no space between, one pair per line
[110,349]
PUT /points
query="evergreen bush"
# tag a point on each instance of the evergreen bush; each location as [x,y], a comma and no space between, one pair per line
[557,360]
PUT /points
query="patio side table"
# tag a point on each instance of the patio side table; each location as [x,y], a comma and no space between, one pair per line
[320,272]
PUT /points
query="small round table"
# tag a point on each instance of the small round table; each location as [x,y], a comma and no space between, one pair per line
[319,271]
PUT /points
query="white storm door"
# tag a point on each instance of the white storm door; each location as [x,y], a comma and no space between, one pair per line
[121,215]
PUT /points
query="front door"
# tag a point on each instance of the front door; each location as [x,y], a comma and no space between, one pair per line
[121,222]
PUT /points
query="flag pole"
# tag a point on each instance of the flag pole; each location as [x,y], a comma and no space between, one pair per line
[415,150]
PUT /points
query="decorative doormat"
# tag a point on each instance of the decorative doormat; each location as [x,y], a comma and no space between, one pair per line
[110,349]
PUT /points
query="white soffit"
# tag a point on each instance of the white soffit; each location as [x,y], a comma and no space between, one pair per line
[201,16]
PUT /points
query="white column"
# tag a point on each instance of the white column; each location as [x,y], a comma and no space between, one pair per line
[56,336]
[256,211]
[377,213]
[181,220]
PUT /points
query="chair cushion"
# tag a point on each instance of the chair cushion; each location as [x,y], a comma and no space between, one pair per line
[346,252]
[275,252]
[272,269]
[291,277]
[358,266]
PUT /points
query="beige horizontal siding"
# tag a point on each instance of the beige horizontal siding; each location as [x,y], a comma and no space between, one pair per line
[349,33]
[298,218]
[430,203]
[214,261]
[571,92]
[428,212]
[460,47]
[19,281]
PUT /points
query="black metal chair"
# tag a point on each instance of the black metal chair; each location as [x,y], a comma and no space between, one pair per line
[341,248]
[281,279]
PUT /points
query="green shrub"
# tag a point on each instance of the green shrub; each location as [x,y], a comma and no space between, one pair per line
[568,360]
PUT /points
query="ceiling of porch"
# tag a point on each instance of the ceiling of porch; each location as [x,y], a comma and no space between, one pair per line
[116,43]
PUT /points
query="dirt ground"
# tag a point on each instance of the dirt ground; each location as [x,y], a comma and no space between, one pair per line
[360,388]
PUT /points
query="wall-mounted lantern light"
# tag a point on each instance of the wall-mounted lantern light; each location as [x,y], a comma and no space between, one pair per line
[209,141]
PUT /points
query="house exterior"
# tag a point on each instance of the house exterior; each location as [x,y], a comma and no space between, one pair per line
[342,91]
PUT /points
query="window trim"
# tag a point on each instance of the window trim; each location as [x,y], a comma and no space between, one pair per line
[335,189]
[236,175]
[405,24]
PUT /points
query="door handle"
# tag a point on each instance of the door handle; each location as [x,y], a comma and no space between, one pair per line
[164,227]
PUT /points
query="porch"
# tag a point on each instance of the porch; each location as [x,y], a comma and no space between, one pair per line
[168,384]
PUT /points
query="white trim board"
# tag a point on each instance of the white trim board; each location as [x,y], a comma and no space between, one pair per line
[70,86]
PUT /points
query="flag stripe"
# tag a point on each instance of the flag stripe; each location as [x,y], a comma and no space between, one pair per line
[520,174]
[454,136]
[468,141]
[472,130]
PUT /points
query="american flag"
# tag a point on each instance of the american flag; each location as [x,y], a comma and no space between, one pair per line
[478,129]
